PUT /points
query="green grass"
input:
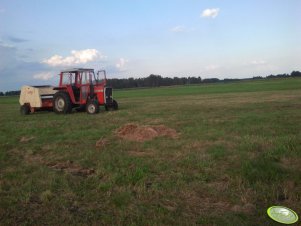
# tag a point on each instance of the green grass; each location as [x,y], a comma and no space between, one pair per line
[233,87]
[238,152]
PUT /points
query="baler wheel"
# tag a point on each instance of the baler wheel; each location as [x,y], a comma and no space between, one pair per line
[25,109]
[62,103]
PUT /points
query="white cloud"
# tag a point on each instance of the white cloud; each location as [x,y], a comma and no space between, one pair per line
[5,45]
[121,64]
[210,12]
[178,29]
[76,57]
[44,76]
[181,29]
[258,62]
[212,67]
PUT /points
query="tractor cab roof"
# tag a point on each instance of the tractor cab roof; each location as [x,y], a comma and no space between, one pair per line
[77,70]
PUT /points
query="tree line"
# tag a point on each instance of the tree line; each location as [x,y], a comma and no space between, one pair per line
[157,81]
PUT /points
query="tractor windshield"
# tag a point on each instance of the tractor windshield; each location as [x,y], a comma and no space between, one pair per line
[86,77]
[100,76]
[68,78]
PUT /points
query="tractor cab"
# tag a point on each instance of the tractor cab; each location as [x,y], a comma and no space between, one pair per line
[83,88]
[80,84]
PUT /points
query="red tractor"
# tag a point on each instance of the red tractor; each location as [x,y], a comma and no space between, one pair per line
[80,88]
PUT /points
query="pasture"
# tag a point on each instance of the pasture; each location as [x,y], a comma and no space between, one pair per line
[235,150]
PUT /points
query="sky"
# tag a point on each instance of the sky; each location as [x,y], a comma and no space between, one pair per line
[136,38]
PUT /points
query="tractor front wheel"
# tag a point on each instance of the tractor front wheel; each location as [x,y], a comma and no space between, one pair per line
[25,109]
[112,106]
[92,107]
[115,105]
[62,103]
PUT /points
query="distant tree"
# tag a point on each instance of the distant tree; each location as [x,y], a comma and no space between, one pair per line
[12,93]
[271,76]
[1,94]
[296,74]
[194,80]
[153,80]
[282,75]
[157,80]
[210,80]
[257,77]
[278,76]
[231,79]
[167,81]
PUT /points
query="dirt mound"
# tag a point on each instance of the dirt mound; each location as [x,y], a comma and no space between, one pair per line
[135,132]
[72,168]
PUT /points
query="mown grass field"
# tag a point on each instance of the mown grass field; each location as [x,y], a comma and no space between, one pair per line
[237,153]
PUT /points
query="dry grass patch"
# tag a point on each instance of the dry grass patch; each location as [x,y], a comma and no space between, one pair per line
[206,144]
[101,143]
[138,133]
[196,203]
[140,153]
[202,203]
[291,163]
[221,185]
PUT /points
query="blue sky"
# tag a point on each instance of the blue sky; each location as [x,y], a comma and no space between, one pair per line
[136,38]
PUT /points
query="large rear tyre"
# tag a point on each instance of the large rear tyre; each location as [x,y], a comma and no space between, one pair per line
[25,109]
[62,103]
[92,107]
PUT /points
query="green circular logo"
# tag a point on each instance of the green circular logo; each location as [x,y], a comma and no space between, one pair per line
[282,214]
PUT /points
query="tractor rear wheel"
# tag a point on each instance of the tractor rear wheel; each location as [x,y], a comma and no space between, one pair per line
[92,107]
[25,109]
[62,103]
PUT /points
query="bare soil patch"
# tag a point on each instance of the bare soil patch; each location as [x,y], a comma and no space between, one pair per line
[139,133]
[71,167]
[66,166]
[26,139]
